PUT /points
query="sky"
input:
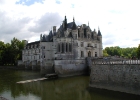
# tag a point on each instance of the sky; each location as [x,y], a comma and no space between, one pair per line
[118,20]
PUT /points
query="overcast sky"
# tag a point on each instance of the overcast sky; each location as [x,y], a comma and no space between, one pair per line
[118,20]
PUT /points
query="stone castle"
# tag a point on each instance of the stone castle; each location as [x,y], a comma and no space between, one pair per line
[63,50]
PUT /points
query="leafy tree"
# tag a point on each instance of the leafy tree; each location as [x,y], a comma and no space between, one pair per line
[11,52]
[138,51]
[105,54]
[2,46]
[16,48]
[125,52]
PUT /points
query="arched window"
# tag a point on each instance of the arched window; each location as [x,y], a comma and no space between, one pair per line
[89,54]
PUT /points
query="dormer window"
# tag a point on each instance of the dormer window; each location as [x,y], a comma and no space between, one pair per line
[89,45]
[95,45]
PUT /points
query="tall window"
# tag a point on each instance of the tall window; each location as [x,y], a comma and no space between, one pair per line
[89,54]
[62,47]
[95,54]
[82,44]
[95,45]
[58,47]
[70,47]
[82,54]
[66,47]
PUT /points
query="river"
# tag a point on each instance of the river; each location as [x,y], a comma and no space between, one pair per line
[70,88]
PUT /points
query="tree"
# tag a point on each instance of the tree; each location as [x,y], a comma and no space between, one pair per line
[16,48]
[125,52]
[105,54]
[2,46]
[10,53]
[138,51]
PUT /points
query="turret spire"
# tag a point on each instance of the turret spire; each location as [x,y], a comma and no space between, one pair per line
[99,33]
[73,19]
[65,23]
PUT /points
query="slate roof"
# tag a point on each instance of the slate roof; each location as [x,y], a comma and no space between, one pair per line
[71,25]
[99,33]
[32,43]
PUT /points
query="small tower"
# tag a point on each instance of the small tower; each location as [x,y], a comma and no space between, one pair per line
[65,23]
[74,29]
[100,43]
[99,35]
[41,37]
[95,34]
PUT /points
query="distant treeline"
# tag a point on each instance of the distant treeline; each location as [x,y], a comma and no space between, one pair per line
[10,53]
[133,52]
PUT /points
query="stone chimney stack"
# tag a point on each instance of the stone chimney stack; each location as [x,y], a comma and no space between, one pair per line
[54,29]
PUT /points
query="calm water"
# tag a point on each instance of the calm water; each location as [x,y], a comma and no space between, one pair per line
[71,88]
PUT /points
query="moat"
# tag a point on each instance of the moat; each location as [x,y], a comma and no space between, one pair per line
[70,88]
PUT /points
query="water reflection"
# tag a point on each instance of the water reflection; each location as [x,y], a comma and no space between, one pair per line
[71,88]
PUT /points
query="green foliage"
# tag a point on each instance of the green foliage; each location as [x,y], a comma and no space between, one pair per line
[11,52]
[125,52]
[105,54]
[138,51]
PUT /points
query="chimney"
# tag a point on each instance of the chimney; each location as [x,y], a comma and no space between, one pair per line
[54,29]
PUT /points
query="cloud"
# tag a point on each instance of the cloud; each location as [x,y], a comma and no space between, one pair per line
[46,22]
[118,19]
[11,26]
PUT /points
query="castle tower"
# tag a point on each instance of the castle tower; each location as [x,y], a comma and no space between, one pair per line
[65,23]
[74,30]
[99,36]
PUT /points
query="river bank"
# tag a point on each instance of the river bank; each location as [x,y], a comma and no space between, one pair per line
[12,67]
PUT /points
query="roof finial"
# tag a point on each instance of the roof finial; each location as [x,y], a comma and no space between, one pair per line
[88,23]
[73,19]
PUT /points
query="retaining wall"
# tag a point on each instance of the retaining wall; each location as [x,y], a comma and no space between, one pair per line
[117,77]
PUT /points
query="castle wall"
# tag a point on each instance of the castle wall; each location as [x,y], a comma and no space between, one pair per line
[47,67]
[70,67]
[117,77]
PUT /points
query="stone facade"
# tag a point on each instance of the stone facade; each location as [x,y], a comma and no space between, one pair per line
[69,42]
